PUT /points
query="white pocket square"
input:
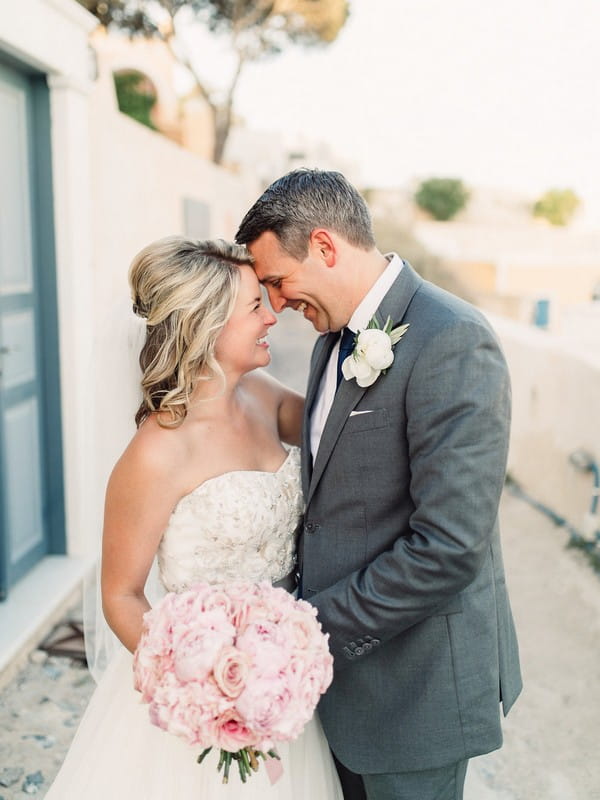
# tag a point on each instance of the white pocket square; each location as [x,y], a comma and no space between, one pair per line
[356,413]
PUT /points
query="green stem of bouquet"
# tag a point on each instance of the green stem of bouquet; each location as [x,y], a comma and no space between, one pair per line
[203,755]
[242,767]
[247,760]
[227,767]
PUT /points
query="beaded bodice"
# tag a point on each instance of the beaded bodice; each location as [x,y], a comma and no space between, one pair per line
[236,526]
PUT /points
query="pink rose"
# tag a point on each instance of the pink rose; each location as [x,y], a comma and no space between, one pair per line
[231,670]
[231,732]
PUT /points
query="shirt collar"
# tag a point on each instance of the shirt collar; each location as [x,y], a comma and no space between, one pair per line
[367,307]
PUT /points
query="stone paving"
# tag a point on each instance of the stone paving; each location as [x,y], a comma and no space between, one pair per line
[551,737]
[39,712]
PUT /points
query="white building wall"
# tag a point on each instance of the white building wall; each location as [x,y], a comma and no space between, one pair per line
[140,180]
[50,35]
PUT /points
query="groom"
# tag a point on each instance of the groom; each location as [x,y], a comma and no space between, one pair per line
[400,551]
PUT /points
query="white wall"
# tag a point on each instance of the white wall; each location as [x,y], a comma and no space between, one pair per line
[50,35]
[556,410]
[139,180]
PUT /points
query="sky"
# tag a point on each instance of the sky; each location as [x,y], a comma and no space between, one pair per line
[499,94]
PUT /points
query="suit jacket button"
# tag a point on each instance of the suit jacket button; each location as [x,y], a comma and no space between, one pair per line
[375,642]
[367,646]
[359,651]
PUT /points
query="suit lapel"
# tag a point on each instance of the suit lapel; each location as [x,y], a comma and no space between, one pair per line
[394,305]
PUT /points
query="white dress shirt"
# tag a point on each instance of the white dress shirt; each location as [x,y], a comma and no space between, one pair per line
[358,322]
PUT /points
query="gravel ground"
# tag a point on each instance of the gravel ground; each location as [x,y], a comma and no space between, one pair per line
[39,712]
[551,736]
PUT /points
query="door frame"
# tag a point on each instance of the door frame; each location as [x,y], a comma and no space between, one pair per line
[46,312]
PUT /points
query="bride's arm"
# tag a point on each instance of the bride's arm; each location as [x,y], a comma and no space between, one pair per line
[140,496]
[289,406]
[289,417]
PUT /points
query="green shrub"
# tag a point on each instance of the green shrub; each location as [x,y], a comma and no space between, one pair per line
[443,198]
[557,206]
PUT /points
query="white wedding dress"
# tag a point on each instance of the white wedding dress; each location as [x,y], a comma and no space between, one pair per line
[237,526]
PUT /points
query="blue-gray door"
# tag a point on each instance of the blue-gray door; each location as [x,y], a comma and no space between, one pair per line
[30,494]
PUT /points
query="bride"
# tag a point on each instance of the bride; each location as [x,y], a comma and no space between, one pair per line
[206,485]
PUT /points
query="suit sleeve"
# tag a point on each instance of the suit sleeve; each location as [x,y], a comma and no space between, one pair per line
[457,411]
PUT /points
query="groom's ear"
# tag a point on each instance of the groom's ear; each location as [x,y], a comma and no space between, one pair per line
[322,246]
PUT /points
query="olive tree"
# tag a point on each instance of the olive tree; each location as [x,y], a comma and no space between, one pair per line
[253,29]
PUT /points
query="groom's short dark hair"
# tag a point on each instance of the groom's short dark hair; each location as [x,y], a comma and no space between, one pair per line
[305,199]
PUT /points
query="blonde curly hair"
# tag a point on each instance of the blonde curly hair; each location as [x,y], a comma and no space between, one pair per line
[186,291]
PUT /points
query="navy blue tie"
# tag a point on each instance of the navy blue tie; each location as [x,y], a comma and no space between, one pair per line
[346,347]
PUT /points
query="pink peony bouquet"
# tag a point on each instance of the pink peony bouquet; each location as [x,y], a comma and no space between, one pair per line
[238,666]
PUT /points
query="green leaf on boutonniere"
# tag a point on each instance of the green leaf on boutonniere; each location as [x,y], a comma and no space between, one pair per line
[395,334]
[398,333]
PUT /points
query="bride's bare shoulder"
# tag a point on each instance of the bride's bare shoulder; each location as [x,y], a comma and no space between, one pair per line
[155,453]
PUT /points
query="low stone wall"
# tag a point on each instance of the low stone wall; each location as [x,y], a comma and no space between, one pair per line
[556,411]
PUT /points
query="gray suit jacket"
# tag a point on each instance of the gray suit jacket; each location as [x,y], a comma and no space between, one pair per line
[400,550]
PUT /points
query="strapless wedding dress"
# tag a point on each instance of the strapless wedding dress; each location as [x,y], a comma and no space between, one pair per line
[237,526]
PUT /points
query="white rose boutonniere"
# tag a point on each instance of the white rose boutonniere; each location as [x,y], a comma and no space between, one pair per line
[372,354]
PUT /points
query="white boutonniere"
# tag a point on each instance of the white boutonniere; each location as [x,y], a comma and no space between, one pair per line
[372,354]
